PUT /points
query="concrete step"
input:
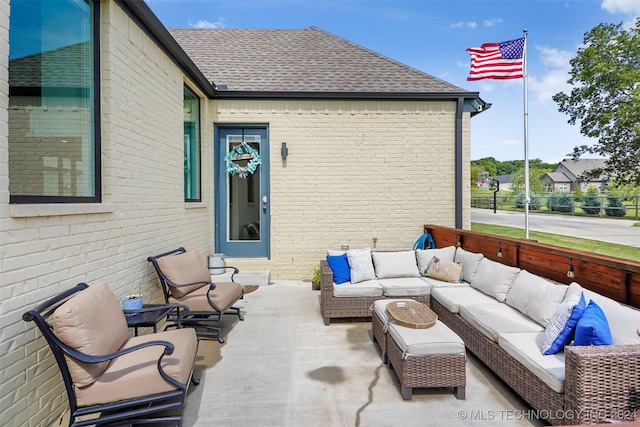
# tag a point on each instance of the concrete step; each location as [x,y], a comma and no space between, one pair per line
[245,278]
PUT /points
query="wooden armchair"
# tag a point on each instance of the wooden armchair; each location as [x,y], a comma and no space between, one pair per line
[186,280]
[109,377]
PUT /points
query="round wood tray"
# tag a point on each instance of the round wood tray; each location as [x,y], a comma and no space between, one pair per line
[412,314]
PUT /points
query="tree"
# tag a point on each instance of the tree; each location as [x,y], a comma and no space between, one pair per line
[605,99]
[535,180]
[592,203]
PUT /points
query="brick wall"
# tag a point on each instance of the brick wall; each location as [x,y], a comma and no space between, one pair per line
[356,170]
[47,248]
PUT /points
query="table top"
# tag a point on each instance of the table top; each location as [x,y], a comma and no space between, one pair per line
[148,318]
[412,314]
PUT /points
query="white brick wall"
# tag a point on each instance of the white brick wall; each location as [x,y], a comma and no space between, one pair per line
[45,249]
[356,170]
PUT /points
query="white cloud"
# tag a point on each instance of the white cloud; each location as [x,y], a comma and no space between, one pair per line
[511,142]
[203,23]
[554,78]
[621,6]
[492,22]
[462,24]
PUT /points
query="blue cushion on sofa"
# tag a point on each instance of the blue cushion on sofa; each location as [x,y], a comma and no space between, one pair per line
[593,327]
[562,327]
[340,267]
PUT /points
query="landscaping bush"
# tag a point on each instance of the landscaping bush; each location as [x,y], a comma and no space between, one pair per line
[592,202]
[560,202]
[615,206]
[533,205]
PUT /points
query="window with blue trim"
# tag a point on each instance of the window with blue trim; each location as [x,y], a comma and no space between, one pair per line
[191,146]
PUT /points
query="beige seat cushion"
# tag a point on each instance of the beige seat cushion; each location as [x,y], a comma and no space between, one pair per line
[404,287]
[438,339]
[455,296]
[223,296]
[368,288]
[494,319]
[188,267]
[136,374]
[380,308]
[93,323]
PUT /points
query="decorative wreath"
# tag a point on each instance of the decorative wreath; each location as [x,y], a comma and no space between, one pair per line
[239,153]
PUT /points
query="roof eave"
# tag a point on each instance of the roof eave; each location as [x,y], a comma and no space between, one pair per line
[255,94]
[140,12]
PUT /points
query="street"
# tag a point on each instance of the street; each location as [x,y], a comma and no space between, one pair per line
[619,231]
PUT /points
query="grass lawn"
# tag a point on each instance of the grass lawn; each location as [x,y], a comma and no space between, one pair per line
[595,246]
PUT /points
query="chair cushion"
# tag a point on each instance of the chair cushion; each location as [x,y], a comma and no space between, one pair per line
[395,264]
[561,329]
[340,268]
[380,308]
[223,296]
[136,374]
[623,319]
[470,262]
[368,288]
[453,297]
[525,348]
[535,297]
[404,287]
[592,327]
[493,319]
[438,339]
[187,267]
[445,270]
[424,256]
[93,323]
[361,265]
[494,279]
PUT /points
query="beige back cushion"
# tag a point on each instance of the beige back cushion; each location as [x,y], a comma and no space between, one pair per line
[188,267]
[93,323]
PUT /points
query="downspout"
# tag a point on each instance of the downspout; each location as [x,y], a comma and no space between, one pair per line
[458,163]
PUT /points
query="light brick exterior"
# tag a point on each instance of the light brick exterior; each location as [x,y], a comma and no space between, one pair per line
[357,170]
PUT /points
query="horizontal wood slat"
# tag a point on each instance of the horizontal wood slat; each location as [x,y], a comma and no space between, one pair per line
[617,278]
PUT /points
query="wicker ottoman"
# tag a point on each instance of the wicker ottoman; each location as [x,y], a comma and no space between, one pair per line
[431,357]
[380,318]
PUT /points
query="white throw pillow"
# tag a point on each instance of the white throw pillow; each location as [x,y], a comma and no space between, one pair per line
[470,262]
[395,264]
[360,265]
[493,278]
[535,297]
[424,256]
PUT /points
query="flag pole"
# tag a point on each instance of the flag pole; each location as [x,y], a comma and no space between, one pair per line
[527,200]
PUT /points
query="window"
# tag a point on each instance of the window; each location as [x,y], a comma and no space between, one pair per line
[54,129]
[191,146]
[563,187]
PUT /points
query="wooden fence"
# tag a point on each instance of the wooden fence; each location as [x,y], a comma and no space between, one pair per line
[616,278]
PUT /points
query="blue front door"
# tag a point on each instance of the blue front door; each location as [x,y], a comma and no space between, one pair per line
[242,203]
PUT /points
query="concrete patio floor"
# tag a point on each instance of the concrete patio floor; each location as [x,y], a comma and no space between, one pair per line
[282,367]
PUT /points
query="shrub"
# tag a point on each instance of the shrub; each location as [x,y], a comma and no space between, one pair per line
[533,205]
[560,202]
[592,203]
[615,206]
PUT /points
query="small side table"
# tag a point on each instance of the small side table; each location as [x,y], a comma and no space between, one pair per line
[149,316]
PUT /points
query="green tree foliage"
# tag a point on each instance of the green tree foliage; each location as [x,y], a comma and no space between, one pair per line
[534,204]
[535,180]
[615,206]
[605,99]
[592,202]
[560,202]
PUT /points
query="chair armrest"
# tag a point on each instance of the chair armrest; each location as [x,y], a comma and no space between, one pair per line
[86,358]
[326,278]
[235,271]
[602,382]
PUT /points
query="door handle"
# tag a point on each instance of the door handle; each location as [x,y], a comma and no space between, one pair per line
[264,204]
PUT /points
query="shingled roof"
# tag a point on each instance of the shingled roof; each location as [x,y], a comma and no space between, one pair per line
[306,60]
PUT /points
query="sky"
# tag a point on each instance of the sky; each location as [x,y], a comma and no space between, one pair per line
[432,36]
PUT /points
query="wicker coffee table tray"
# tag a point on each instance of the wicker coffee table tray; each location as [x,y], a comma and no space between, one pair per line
[412,314]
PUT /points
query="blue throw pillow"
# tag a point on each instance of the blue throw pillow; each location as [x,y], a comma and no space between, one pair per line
[340,267]
[562,326]
[593,327]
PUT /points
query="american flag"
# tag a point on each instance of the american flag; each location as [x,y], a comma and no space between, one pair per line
[497,60]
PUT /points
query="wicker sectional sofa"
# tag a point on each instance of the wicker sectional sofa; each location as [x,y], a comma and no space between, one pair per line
[505,316]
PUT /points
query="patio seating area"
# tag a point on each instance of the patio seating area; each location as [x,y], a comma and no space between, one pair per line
[283,367]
